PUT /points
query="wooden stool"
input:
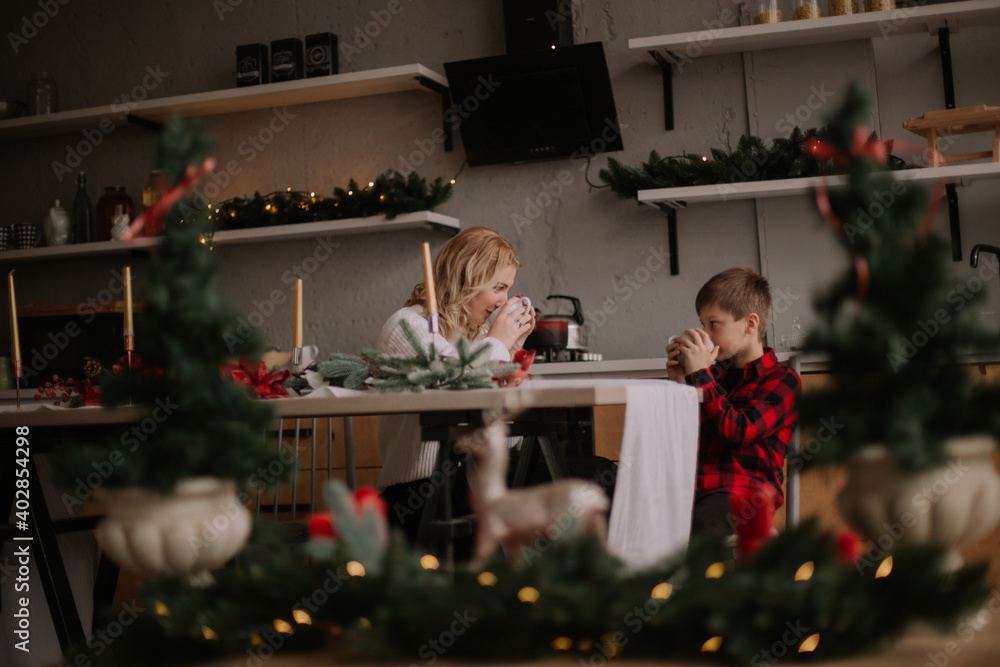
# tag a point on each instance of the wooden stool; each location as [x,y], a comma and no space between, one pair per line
[964,120]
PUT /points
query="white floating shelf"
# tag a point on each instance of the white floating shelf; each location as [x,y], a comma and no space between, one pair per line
[900,21]
[375,223]
[249,98]
[679,197]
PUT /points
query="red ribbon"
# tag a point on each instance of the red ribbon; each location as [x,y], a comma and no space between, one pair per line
[862,147]
[169,198]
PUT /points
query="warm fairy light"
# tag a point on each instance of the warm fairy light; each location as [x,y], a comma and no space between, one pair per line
[704,158]
[809,644]
[355,569]
[364,623]
[715,570]
[161,609]
[312,194]
[712,645]
[302,617]
[381,197]
[805,572]
[487,579]
[527,594]
[283,626]
[267,208]
[208,633]
[429,562]
[288,189]
[585,645]
[371,184]
[661,591]
[255,640]
[204,240]
[884,568]
[452,181]
[562,643]
[350,192]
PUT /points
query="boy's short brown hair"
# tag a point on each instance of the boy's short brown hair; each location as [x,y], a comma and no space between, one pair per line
[739,292]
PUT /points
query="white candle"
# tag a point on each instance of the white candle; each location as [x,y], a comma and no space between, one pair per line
[297,334]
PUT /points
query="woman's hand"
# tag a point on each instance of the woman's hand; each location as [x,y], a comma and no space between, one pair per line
[519,343]
[509,327]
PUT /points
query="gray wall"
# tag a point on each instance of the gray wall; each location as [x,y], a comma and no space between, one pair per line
[585,243]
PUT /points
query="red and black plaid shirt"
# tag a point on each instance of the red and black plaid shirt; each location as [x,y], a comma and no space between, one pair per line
[747,417]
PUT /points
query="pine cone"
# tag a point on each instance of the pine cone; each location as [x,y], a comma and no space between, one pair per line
[92,368]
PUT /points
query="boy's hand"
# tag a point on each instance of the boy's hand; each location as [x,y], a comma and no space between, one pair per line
[675,367]
[697,351]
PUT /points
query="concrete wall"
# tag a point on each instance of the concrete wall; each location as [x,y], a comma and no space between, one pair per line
[585,243]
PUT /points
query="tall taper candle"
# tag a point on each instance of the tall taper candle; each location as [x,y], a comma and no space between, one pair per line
[297,335]
[15,339]
[128,301]
[429,292]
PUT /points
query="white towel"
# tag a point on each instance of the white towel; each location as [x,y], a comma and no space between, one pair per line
[654,492]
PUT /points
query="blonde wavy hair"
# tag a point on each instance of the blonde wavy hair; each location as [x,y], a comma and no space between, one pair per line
[466,265]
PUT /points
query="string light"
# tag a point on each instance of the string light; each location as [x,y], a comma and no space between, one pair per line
[282,626]
[704,158]
[662,591]
[255,640]
[355,569]
[805,571]
[711,645]
[161,609]
[288,189]
[208,633]
[884,568]
[487,579]
[715,571]
[809,644]
[371,184]
[585,645]
[364,623]
[528,594]
[562,643]
[302,617]
[429,562]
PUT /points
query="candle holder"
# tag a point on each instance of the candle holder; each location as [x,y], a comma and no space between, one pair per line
[296,357]
[433,325]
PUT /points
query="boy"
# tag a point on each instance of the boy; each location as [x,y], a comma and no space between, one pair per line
[748,408]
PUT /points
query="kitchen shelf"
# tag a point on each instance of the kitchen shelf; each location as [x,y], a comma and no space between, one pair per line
[902,21]
[249,98]
[681,197]
[379,223]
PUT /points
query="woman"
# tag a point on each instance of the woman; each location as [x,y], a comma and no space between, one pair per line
[473,274]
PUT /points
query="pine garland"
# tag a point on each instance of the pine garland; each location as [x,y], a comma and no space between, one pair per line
[752,160]
[426,370]
[390,194]
[567,597]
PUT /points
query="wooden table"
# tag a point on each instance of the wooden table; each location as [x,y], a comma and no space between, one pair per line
[48,426]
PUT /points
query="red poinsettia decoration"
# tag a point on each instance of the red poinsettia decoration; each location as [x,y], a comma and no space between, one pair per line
[70,393]
[753,512]
[256,376]
[849,546]
[523,358]
[322,526]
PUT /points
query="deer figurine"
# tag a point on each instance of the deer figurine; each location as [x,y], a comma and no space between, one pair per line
[513,518]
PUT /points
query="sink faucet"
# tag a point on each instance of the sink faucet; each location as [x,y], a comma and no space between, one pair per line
[974,257]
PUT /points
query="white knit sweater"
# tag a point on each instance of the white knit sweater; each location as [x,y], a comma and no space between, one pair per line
[404,457]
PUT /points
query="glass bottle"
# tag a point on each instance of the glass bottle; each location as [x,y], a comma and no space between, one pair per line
[42,95]
[83,212]
[150,195]
[114,195]
[879,5]
[842,7]
[806,9]
[766,12]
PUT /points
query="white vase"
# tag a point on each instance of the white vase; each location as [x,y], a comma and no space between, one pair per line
[198,527]
[952,505]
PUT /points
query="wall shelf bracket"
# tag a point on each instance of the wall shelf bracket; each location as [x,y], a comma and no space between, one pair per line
[668,88]
[671,212]
[948,78]
[430,84]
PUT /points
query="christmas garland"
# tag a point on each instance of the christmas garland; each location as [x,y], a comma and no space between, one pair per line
[390,194]
[752,160]
[356,592]
[426,370]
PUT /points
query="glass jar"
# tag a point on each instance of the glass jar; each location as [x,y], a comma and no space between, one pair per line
[766,12]
[42,95]
[108,213]
[150,195]
[842,7]
[879,5]
[806,9]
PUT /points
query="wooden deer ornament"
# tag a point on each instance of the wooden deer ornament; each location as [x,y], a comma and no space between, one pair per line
[514,518]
